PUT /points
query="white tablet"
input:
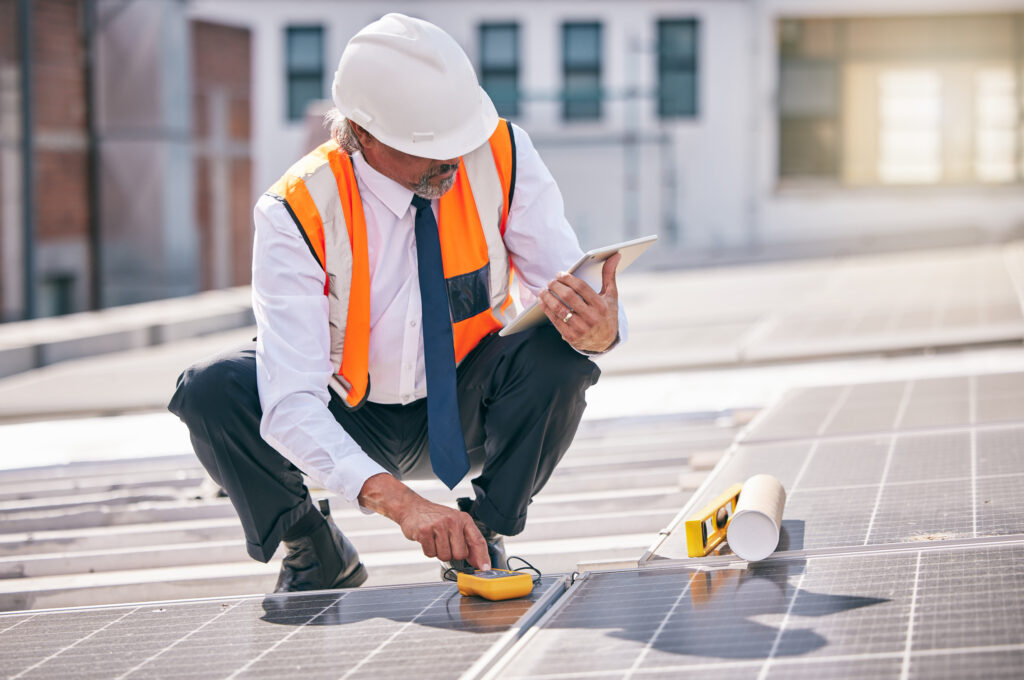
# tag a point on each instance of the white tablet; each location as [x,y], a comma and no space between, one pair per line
[588,268]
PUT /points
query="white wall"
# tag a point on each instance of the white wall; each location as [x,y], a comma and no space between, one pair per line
[713,177]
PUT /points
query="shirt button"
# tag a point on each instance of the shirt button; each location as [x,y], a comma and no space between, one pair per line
[408,367]
[412,324]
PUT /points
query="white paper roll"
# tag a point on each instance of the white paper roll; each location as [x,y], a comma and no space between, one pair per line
[753,531]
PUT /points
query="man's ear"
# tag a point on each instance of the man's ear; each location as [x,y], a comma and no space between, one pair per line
[364,137]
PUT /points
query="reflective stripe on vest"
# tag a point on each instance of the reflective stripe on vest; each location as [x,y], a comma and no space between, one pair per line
[322,197]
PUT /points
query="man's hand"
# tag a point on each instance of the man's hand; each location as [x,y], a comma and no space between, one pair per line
[587,320]
[443,532]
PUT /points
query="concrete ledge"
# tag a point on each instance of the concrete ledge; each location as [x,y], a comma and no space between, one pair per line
[25,345]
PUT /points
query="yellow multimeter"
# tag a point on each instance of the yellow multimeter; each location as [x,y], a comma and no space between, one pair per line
[495,584]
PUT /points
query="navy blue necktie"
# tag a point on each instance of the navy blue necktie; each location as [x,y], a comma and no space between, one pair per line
[448,455]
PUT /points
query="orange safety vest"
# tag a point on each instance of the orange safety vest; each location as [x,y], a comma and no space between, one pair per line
[322,197]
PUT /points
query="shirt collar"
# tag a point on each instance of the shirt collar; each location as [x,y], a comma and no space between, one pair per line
[389,192]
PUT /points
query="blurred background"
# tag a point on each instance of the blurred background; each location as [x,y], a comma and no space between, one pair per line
[135,135]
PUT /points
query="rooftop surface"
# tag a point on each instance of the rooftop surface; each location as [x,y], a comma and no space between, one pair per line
[886,394]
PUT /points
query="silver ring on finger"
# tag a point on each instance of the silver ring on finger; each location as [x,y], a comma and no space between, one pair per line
[567,317]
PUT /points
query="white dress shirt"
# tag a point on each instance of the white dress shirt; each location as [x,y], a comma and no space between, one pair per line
[293,347]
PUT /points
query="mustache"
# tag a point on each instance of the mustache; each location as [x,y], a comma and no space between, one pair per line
[442,169]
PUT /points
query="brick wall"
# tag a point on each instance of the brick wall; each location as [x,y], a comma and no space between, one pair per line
[8,32]
[221,62]
[59,73]
[61,168]
[62,199]
[61,205]
[242,229]
[59,103]
[61,165]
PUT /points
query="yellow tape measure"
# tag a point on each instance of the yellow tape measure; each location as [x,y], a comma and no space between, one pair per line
[495,584]
[706,529]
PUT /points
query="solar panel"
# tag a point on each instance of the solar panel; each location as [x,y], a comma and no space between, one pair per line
[901,553]
[891,488]
[892,406]
[934,612]
[797,336]
[822,308]
[426,630]
[892,302]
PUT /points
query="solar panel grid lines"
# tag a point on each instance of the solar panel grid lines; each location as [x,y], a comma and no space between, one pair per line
[521,628]
[15,622]
[840,401]
[654,638]
[388,641]
[900,412]
[1000,450]
[914,486]
[972,400]
[844,615]
[150,659]
[78,640]
[325,634]
[778,637]
[100,562]
[905,667]
[287,637]
[929,477]
[999,510]
[869,408]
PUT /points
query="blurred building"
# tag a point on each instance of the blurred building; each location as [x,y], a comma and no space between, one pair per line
[138,125]
[735,129]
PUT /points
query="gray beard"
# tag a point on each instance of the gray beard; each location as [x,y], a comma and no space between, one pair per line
[425,189]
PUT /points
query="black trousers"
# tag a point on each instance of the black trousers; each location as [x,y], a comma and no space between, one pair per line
[520,401]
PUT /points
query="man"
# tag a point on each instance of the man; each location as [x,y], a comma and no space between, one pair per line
[381,273]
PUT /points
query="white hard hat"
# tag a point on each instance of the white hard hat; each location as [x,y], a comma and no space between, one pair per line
[410,85]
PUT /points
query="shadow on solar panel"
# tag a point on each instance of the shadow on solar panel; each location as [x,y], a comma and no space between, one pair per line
[715,622]
[451,612]
[729,613]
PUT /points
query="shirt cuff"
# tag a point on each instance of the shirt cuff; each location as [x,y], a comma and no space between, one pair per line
[609,348]
[348,482]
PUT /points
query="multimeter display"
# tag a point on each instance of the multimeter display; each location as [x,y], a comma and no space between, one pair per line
[493,573]
[495,584]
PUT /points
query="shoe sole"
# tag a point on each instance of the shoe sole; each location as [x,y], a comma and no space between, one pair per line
[353,580]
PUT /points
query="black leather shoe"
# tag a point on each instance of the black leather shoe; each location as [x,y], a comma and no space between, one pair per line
[495,547]
[323,560]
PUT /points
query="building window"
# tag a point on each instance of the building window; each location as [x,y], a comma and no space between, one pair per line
[57,295]
[677,68]
[808,99]
[916,100]
[910,126]
[581,68]
[499,66]
[305,68]
[996,127]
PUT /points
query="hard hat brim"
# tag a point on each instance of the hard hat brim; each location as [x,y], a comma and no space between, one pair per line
[468,136]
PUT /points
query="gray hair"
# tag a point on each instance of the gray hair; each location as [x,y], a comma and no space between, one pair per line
[341,131]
